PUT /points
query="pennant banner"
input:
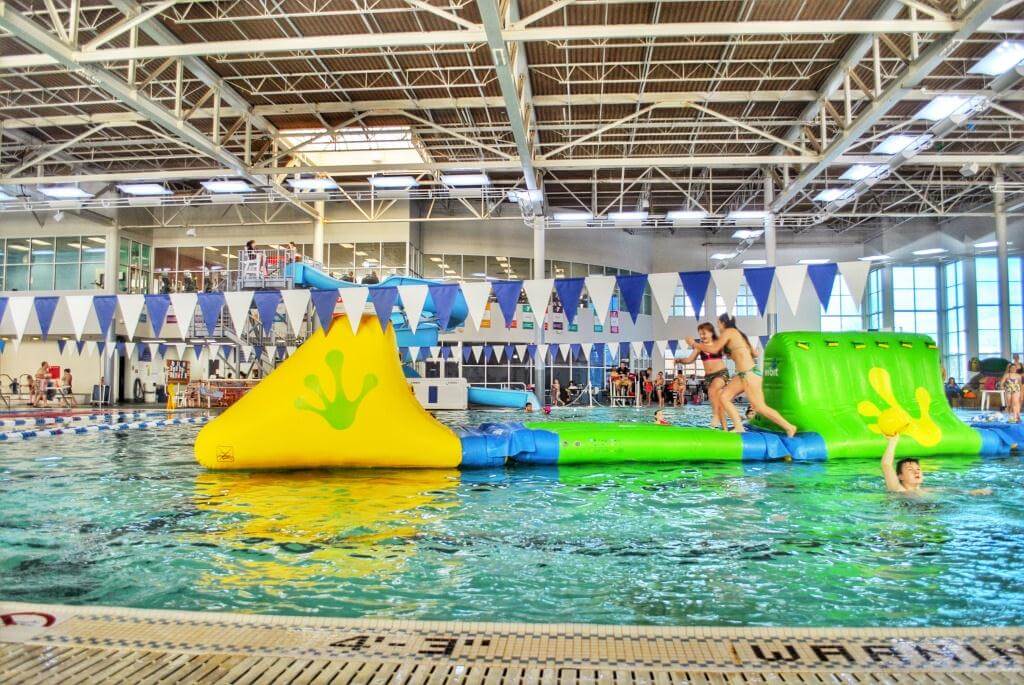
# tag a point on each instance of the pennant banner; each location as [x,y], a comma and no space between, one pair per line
[442,298]
[601,289]
[507,294]
[823,278]
[384,304]
[760,281]
[211,304]
[266,302]
[324,302]
[569,290]
[663,292]
[632,288]
[791,281]
[413,299]
[695,285]
[156,308]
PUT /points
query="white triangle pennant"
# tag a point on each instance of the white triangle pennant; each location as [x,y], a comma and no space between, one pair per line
[613,350]
[91,348]
[600,289]
[542,350]
[563,350]
[238,304]
[179,348]
[290,349]
[663,290]
[413,297]
[435,351]
[662,345]
[587,349]
[499,353]
[354,302]
[792,280]
[521,351]
[184,311]
[476,295]
[154,350]
[296,302]
[638,348]
[727,283]
[79,307]
[475,351]
[414,352]
[131,311]
[129,351]
[856,276]
[538,292]
[20,309]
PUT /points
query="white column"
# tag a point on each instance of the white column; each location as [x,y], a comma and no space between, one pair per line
[770,250]
[318,232]
[111,285]
[538,272]
[999,198]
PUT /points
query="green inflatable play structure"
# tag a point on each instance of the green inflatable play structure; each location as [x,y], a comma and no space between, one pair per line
[843,391]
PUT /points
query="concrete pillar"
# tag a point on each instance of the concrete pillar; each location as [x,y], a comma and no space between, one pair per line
[999,202]
[539,259]
[888,319]
[770,252]
[318,232]
[111,285]
[971,308]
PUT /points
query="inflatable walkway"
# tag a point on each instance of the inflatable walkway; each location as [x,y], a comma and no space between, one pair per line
[341,401]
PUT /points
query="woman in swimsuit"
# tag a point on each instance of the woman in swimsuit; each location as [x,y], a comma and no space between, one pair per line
[733,342]
[1012,382]
[715,373]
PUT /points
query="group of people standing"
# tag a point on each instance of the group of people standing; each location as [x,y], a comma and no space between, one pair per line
[46,388]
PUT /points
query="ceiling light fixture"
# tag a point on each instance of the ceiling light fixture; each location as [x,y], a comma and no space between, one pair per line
[321,185]
[393,182]
[465,180]
[929,251]
[1000,60]
[812,262]
[858,172]
[227,186]
[142,189]
[65,193]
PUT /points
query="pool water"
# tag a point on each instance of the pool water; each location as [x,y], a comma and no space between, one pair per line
[131,520]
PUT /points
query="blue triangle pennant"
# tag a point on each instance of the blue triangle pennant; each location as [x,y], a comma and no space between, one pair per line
[225,351]
[3,307]
[121,349]
[488,351]
[446,352]
[575,350]
[324,302]
[156,309]
[105,306]
[45,307]
[384,303]
[649,348]
[632,288]
[569,290]
[161,350]
[509,351]
[210,304]
[531,351]
[266,302]
[759,280]
[79,346]
[101,347]
[61,344]
[673,345]
[507,294]
[695,285]
[624,350]
[466,351]
[598,353]
[441,298]
[198,349]
[823,278]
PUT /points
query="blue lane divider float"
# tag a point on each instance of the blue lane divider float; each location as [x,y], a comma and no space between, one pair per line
[75,418]
[101,427]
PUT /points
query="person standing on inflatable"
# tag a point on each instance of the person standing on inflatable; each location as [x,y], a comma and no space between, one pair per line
[748,380]
[715,374]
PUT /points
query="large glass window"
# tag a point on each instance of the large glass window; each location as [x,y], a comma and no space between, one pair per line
[915,300]
[875,301]
[954,348]
[842,313]
[746,305]
[50,263]
[987,283]
[681,305]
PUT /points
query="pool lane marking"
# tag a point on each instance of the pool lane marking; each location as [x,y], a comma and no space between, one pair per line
[100,427]
[50,420]
[567,645]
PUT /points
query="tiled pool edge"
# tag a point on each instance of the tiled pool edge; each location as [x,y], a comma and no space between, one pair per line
[37,638]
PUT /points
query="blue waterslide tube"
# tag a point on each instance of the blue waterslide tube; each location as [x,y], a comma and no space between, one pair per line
[305,276]
[498,397]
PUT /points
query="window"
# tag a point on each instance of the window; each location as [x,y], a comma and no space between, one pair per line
[49,263]
[875,301]
[915,300]
[681,305]
[954,349]
[842,313]
[746,305]
[987,279]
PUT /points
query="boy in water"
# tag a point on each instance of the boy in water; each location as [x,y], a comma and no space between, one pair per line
[659,418]
[906,476]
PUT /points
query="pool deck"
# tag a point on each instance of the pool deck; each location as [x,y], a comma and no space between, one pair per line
[66,644]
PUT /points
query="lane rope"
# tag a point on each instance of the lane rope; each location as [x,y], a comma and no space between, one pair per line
[101,427]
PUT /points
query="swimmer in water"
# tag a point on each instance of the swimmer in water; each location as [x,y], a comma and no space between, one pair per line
[906,476]
[659,418]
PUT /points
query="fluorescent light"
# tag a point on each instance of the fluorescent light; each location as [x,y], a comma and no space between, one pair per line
[347,246]
[830,194]
[77,246]
[436,259]
[747,234]
[747,214]
[41,243]
[686,215]
[143,189]
[393,182]
[4,197]
[566,215]
[621,217]
[894,144]
[465,180]
[312,184]
[65,192]
[98,239]
[814,261]
[929,251]
[874,258]
[755,262]
[43,252]
[360,253]
[941,107]
[722,256]
[988,243]
[858,172]
[1000,60]
[212,249]
[227,186]
[17,248]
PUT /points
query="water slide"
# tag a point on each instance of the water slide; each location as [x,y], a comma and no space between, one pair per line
[341,401]
[502,397]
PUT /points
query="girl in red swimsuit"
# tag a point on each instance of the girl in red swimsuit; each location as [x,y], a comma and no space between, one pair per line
[716,375]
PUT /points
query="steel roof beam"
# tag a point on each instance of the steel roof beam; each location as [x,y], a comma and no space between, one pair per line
[31,33]
[895,92]
[557,34]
